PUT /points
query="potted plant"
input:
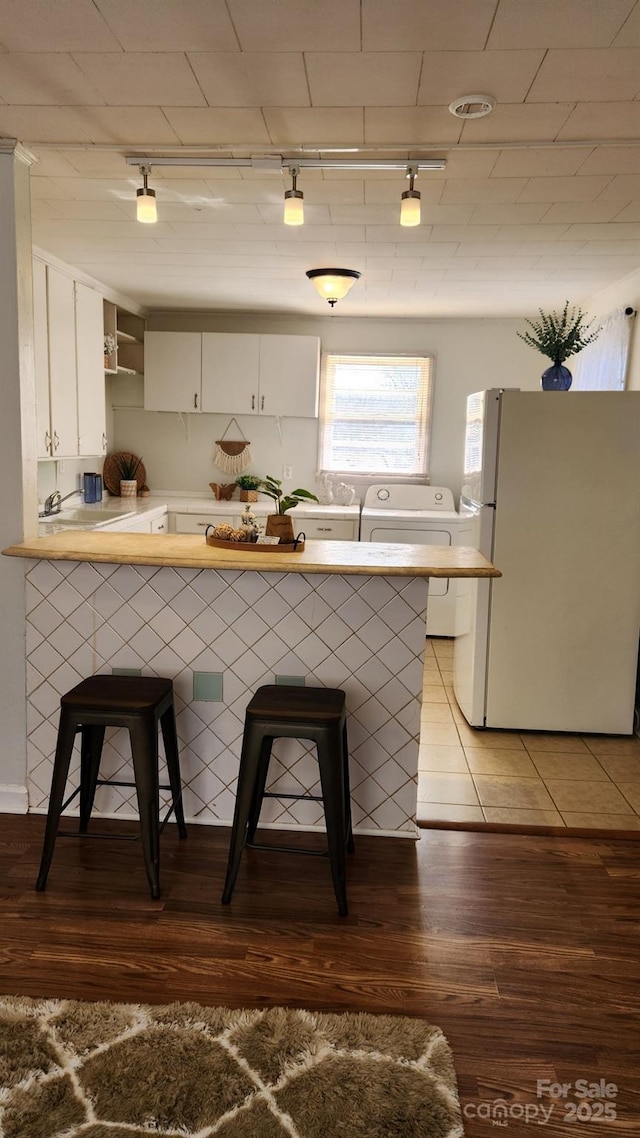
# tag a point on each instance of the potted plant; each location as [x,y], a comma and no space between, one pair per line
[558,337]
[249,484]
[278,524]
[127,466]
[110,343]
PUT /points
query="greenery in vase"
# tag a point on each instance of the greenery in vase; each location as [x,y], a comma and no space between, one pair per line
[559,336]
[248,481]
[273,488]
[127,466]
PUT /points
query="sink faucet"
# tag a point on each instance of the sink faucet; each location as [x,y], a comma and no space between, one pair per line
[54,502]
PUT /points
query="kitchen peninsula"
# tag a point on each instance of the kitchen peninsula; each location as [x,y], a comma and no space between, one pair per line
[220,623]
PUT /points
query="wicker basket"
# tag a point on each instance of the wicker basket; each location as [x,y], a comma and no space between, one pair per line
[248,495]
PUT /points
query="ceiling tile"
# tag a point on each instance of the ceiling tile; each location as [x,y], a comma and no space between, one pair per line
[518,122]
[251,79]
[200,25]
[446,75]
[303,25]
[502,213]
[142,78]
[437,25]
[553,160]
[77,26]
[45,78]
[525,233]
[576,189]
[602,120]
[630,212]
[86,124]
[413,126]
[612,160]
[583,212]
[629,34]
[464,164]
[593,75]
[316,125]
[622,188]
[217,126]
[463,233]
[52,163]
[357,79]
[557,23]
[370,214]
[613,232]
[93,210]
[446,214]
[484,190]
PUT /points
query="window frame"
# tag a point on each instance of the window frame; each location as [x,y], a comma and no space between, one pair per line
[421,476]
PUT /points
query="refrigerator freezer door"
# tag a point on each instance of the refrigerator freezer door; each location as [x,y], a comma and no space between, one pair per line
[473,604]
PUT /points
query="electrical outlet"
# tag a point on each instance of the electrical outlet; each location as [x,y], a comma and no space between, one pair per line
[60,466]
[287,472]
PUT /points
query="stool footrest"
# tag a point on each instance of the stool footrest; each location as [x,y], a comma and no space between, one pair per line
[294,797]
[287,849]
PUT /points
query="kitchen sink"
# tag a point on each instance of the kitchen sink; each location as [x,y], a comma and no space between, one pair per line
[88,516]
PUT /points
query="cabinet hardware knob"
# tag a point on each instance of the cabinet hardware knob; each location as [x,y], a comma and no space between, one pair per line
[47,442]
[253,402]
[262,403]
[56,440]
[325,529]
[104,442]
[195,401]
[204,523]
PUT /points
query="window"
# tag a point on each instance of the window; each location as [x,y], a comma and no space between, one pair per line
[375,414]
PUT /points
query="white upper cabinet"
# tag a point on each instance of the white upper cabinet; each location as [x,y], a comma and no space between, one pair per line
[172,371]
[92,437]
[41,359]
[232,373]
[61,339]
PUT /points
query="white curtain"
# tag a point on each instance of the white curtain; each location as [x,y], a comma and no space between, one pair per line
[602,365]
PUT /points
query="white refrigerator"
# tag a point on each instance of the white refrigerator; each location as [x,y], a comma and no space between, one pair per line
[551,493]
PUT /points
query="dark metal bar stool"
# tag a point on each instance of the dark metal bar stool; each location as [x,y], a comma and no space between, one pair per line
[319,714]
[137,703]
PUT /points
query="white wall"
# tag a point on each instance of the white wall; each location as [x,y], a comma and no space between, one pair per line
[470,355]
[622,294]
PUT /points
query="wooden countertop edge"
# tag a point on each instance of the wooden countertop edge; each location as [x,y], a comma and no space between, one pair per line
[191,552]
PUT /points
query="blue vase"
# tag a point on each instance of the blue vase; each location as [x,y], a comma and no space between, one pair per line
[556,378]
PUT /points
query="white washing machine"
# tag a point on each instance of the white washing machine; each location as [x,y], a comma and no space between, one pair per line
[418,515]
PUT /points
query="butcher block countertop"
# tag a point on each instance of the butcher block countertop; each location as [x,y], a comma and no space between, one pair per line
[191,551]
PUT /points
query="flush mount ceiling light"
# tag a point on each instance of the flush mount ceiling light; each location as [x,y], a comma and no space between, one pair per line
[146,209]
[294,200]
[333,284]
[472,106]
[410,200]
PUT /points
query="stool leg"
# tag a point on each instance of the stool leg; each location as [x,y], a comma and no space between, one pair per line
[332,781]
[347,790]
[90,755]
[64,748]
[247,775]
[170,739]
[258,790]
[144,750]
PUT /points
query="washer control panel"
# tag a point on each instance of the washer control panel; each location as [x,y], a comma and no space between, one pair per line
[399,496]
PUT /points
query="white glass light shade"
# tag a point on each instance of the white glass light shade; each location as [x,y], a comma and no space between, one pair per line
[146,210]
[410,208]
[333,284]
[294,207]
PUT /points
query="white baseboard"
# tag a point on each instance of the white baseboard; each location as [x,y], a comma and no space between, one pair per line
[13,799]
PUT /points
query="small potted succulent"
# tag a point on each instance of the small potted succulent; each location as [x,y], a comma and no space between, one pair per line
[248,484]
[558,336]
[109,347]
[127,466]
[278,524]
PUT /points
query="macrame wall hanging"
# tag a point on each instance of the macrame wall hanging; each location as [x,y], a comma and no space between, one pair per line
[232,455]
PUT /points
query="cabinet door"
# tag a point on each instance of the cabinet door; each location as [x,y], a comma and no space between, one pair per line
[62,363]
[92,423]
[230,364]
[289,368]
[172,371]
[41,358]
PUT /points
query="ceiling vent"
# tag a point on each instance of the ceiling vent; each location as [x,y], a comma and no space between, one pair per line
[472,106]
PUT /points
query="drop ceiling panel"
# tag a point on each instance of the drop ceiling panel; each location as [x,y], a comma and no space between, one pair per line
[410,126]
[72,25]
[251,79]
[356,79]
[204,125]
[142,78]
[579,189]
[306,25]
[48,78]
[341,126]
[512,122]
[438,25]
[587,76]
[507,75]
[554,24]
[538,162]
[602,120]
[202,25]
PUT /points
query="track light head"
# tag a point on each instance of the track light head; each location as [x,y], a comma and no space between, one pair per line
[410,200]
[294,200]
[146,209]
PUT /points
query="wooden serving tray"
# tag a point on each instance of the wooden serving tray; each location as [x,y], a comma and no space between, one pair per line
[255,546]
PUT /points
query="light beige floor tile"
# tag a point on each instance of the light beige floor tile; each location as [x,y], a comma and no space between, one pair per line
[613,745]
[433,757]
[621,768]
[522,817]
[429,654]
[447,812]
[584,821]
[552,741]
[497,740]
[434,693]
[631,791]
[458,717]
[442,648]
[431,673]
[435,786]
[490,760]
[436,713]
[562,765]
[587,797]
[445,733]
[446,674]
[516,793]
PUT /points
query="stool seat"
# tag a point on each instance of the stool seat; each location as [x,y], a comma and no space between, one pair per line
[292,711]
[138,703]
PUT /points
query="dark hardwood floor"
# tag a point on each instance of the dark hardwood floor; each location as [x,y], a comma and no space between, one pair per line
[523,948]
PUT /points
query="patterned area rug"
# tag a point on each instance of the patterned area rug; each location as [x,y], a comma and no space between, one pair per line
[130,1070]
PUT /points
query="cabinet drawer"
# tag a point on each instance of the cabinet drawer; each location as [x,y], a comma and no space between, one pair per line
[329,529]
[160,525]
[197,523]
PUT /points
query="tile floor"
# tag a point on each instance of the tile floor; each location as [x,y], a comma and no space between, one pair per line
[519,778]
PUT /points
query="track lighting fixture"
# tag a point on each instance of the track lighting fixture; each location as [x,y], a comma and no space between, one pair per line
[410,200]
[146,210]
[294,200]
[333,284]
